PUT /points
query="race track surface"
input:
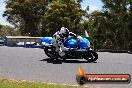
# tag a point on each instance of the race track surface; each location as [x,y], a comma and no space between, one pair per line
[33,64]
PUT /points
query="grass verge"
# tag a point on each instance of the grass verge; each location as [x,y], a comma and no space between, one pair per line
[5,83]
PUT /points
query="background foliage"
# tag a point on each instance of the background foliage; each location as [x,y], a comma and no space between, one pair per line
[109,28]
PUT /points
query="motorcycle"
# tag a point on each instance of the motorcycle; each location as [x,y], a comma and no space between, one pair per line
[77,49]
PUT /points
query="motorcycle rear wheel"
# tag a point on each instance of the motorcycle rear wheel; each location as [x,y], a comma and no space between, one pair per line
[50,52]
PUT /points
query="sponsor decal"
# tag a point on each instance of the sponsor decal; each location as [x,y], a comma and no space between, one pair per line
[83,78]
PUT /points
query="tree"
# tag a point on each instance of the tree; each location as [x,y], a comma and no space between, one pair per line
[7,31]
[119,15]
[63,13]
[26,15]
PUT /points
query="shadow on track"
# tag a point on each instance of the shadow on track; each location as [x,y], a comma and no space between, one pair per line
[59,61]
[49,60]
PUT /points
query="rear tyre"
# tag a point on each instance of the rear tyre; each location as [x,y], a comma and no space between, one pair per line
[50,52]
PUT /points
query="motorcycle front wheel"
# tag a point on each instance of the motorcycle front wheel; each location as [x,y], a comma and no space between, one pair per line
[92,56]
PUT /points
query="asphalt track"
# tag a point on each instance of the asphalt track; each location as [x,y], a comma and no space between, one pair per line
[33,64]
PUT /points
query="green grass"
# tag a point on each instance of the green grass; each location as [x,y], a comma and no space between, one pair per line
[5,83]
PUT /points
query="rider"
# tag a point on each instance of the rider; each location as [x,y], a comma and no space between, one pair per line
[59,39]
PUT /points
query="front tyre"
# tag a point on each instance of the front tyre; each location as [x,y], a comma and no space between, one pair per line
[91,57]
[94,56]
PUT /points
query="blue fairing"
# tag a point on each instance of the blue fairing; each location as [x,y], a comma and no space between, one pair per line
[46,40]
[82,44]
[70,43]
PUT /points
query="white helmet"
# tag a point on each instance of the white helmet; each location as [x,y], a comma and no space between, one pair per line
[64,31]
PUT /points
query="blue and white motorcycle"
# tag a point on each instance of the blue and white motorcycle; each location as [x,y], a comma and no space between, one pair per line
[80,49]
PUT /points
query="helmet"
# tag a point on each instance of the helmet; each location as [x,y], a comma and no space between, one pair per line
[64,32]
